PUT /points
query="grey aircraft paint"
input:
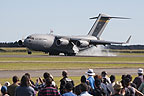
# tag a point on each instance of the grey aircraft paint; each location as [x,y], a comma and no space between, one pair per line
[70,45]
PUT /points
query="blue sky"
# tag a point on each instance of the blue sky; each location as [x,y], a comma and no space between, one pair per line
[20,18]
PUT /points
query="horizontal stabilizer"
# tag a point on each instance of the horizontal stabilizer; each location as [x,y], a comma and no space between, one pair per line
[111,17]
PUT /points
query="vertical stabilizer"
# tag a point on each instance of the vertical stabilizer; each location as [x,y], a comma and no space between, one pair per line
[99,25]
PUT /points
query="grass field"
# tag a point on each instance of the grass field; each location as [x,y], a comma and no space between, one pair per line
[17,59]
[39,61]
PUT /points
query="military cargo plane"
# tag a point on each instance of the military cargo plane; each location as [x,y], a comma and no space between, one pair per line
[70,45]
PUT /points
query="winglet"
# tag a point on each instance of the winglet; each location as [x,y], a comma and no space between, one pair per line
[128,39]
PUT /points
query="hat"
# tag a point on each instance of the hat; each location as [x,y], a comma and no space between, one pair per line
[140,70]
[90,72]
[3,89]
[7,83]
[118,86]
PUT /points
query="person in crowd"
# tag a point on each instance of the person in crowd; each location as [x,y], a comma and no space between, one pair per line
[83,80]
[49,90]
[139,79]
[31,82]
[42,82]
[111,85]
[98,91]
[4,91]
[118,89]
[129,90]
[131,83]
[25,89]
[68,89]
[90,78]
[105,87]
[105,77]
[64,80]
[141,88]
[12,87]
[84,90]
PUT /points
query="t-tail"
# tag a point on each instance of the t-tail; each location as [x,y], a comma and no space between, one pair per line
[100,24]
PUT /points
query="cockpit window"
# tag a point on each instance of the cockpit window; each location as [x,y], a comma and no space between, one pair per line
[30,37]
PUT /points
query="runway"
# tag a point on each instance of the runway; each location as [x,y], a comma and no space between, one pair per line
[69,56]
[71,72]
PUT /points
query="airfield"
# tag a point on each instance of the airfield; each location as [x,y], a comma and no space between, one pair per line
[14,62]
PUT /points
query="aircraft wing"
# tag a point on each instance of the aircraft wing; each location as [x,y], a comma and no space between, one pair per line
[86,42]
[103,42]
[100,42]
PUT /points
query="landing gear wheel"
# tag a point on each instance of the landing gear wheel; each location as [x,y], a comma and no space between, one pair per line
[51,53]
[70,54]
[29,52]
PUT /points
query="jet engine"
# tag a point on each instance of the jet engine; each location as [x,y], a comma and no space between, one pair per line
[62,41]
[82,43]
[21,42]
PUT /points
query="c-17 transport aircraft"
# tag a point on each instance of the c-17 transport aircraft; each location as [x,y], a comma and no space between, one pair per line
[70,45]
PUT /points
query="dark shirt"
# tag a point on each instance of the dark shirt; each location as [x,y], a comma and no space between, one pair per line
[11,89]
[49,91]
[117,95]
[98,91]
[24,91]
[63,82]
[138,80]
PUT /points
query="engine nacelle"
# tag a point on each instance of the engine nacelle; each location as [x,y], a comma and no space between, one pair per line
[82,43]
[21,42]
[62,41]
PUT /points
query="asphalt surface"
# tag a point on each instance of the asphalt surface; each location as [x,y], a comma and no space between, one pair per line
[71,72]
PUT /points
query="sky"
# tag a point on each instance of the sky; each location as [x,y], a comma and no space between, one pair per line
[20,18]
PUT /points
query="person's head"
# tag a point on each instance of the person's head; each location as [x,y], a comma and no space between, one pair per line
[69,86]
[64,73]
[129,76]
[3,90]
[46,75]
[117,87]
[83,79]
[90,72]
[112,78]
[83,87]
[48,81]
[103,73]
[123,77]
[127,82]
[28,75]
[15,79]
[140,71]
[97,82]
[25,81]
[98,77]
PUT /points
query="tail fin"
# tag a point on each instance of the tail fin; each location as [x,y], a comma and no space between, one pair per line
[100,24]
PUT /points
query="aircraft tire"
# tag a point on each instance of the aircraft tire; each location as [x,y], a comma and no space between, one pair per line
[70,54]
[51,53]
[29,52]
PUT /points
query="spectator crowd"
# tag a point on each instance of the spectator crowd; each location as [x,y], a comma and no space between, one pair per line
[91,85]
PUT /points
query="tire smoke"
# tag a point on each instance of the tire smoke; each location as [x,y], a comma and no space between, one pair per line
[96,51]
